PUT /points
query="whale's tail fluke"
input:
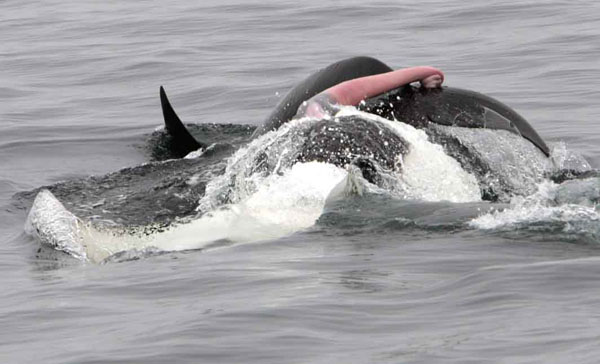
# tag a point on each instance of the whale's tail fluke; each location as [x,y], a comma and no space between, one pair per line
[183,141]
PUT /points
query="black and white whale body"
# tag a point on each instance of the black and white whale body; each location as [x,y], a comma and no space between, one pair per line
[440,140]
[350,140]
[171,188]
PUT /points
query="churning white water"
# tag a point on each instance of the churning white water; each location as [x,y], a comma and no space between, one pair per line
[263,204]
[428,173]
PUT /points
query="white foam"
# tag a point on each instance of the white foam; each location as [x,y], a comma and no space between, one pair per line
[539,207]
[527,215]
[427,172]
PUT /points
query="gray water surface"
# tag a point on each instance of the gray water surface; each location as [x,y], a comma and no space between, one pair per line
[79,94]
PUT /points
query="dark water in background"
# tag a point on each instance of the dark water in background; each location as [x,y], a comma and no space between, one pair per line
[79,92]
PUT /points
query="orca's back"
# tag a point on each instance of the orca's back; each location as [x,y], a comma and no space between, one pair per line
[319,81]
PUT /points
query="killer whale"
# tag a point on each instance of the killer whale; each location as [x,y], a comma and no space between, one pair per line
[415,106]
[155,196]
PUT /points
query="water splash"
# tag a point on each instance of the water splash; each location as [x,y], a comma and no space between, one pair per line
[427,172]
[551,210]
[266,193]
[506,164]
[567,159]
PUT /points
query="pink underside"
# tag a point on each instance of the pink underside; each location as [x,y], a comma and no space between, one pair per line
[354,91]
[314,110]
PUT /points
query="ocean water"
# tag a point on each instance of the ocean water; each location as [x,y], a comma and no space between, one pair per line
[376,284]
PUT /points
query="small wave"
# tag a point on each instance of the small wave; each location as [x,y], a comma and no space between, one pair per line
[546,212]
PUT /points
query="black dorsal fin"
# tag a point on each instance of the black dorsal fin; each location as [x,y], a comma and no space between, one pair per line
[184,142]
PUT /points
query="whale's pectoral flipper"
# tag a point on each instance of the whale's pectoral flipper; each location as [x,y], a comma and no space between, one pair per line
[183,141]
[484,111]
[451,106]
